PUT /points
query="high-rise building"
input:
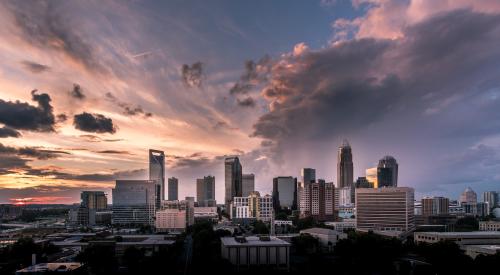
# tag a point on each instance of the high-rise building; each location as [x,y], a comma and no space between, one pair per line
[308,175]
[205,191]
[134,202]
[95,200]
[317,200]
[491,198]
[468,196]
[385,209]
[371,176]
[345,176]
[173,189]
[363,182]
[248,184]
[435,206]
[157,171]
[253,207]
[284,193]
[387,172]
[233,179]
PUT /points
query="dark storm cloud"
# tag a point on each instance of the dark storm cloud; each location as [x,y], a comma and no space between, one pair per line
[97,177]
[43,23]
[114,152]
[255,73]
[31,152]
[192,75]
[77,92]
[34,67]
[222,125]
[354,84]
[9,132]
[246,102]
[127,109]
[94,123]
[23,116]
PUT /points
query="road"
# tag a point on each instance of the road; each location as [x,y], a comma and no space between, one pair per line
[187,254]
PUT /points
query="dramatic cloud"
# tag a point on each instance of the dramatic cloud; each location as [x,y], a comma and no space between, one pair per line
[31,152]
[127,109]
[9,132]
[35,67]
[114,152]
[23,116]
[192,75]
[77,92]
[247,102]
[254,75]
[43,24]
[95,123]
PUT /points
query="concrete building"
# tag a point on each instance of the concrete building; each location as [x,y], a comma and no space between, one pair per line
[186,205]
[345,197]
[253,207]
[468,196]
[317,200]
[385,209]
[134,202]
[327,238]
[460,238]
[206,213]
[157,172]
[205,191]
[233,178]
[345,176]
[489,226]
[491,198]
[95,200]
[285,193]
[82,216]
[170,220]
[246,252]
[346,224]
[434,206]
[173,189]
[387,172]
[248,184]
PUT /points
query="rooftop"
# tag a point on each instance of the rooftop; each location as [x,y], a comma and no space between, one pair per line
[317,230]
[253,241]
[462,234]
[48,267]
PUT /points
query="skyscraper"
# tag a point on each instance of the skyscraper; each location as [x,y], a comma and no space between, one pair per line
[345,177]
[435,206]
[248,184]
[233,180]
[157,170]
[491,198]
[205,191]
[134,202]
[95,200]
[173,189]
[308,175]
[387,172]
[284,193]
[468,196]
[317,200]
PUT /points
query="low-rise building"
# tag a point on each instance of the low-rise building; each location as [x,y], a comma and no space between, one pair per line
[326,237]
[253,207]
[460,238]
[489,226]
[475,250]
[170,220]
[51,268]
[245,252]
[343,225]
[206,213]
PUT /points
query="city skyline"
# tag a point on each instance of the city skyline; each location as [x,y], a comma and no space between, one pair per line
[85,92]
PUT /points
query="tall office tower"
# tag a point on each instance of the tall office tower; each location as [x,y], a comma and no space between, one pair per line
[317,200]
[284,193]
[205,191]
[95,200]
[385,209]
[371,176]
[157,171]
[248,184]
[491,198]
[387,172]
[363,182]
[435,206]
[173,189]
[134,202]
[345,176]
[308,175]
[468,196]
[233,179]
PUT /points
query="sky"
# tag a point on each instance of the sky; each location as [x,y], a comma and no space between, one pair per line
[87,87]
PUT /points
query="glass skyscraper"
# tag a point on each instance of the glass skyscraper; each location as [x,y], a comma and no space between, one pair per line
[345,177]
[233,180]
[157,171]
[387,172]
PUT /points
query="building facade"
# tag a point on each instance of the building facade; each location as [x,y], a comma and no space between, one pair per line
[285,193]
[134,202]
[205,191]
[233,180]
[248,184]
[308,175]
[491,198]
[345,174]
[173,189]
[317,200]
[157,172]
[253,207]
[96,200]
[435,206]
[385,209]
[387,172]
[468,196]
[170,219]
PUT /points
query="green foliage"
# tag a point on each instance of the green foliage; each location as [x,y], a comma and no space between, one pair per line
[446,258]
[18,255]
[100,259]
[305,223]
[260,227]
[31,215]
[305,244]
[467,224]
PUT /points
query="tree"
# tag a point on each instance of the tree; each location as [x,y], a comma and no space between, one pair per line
[260,227]
[132,259]
[305,244]
[99,258]
[467,224]
[446,257]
